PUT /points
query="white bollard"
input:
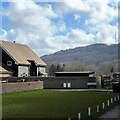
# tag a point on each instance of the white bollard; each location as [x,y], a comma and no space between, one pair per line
[69,118]
[79,115]
[111,100]
[108,103]
[118,97]
[103,106]
[89,111]
[98,108]
[114,98]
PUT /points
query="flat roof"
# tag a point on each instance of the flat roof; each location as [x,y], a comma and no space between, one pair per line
[74,74]
[118,73]
[80,72]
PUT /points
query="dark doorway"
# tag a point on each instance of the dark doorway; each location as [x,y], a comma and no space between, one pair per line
[33,69]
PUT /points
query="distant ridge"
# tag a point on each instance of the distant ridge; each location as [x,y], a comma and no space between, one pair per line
[92,54]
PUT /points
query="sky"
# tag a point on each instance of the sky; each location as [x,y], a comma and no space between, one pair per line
[48,27]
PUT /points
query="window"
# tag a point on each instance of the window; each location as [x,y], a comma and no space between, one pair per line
[64,85]
[69,85]
[9,63]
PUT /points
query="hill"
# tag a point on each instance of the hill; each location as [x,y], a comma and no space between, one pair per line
[93,54]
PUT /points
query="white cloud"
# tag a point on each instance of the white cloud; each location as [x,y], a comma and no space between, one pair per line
[105,33]
[78,6]
[101,13]
[32,24]
[72,39]
[73,6]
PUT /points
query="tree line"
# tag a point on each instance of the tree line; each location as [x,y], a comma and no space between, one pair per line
[56,68]
[105,68]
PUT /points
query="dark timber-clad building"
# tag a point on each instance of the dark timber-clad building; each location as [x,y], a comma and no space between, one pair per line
[21,60]
[71,80]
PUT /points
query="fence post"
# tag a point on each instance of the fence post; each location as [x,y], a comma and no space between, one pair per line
[108,103]
[118,97]
[103,106]
[79,115]
[111,100]
[69,118]
[89,111]
[97,108]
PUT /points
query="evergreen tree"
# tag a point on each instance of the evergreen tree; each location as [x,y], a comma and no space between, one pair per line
[58,68]
[63,68]
[52,70]
[112,70]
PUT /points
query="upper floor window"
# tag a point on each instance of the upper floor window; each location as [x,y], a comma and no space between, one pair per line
[9,63]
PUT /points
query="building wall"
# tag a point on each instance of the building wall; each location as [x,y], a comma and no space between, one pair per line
[41,70]
[21,86]
[74,82]
[13,67]
[98,80]
[56,82]
[5,75]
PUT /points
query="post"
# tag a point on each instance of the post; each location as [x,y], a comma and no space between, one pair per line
[118,97]
[107,89]
[108,103]
[69,118]
[103,105]
[114,98]
[79,115]
[97,108]
[89,111]
[111,100]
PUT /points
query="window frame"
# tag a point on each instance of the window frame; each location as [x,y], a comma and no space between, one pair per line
[9,63]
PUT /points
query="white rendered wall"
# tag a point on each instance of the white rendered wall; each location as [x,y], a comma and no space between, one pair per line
[41,69]
[23,71]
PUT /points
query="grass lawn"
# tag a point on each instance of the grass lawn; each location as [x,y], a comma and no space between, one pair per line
[52,104]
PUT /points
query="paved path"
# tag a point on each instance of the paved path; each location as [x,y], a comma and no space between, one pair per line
[113,114]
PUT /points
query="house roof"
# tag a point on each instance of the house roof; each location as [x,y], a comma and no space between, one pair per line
[4,71]
[21,53]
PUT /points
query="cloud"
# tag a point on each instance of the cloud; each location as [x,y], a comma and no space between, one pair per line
[102,17]
[105,33]
[72,39]
[102,12]
[30,23]
[76,6]
[33,24]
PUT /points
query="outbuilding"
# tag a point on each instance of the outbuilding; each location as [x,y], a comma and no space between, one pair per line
[4,72]
[71,80]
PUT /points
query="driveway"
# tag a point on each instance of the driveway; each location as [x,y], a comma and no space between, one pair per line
[113,114]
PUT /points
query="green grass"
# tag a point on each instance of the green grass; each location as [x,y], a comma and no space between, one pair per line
[51,104]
